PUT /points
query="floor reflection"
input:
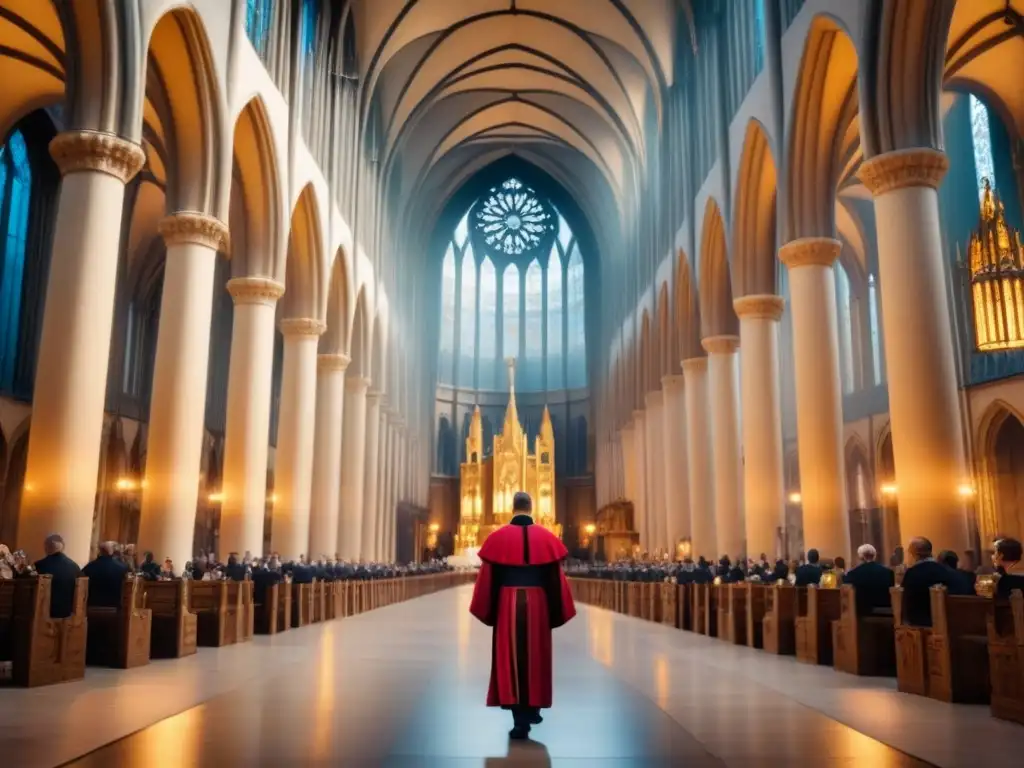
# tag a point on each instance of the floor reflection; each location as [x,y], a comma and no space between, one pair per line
[521,753]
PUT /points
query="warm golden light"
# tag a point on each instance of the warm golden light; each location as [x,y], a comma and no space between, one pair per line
[434,527]
[889,489]
[590,528]
[795,498]
[216,498]
[126,484]
[273,498]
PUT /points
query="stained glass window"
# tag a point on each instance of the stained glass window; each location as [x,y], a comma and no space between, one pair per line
[467,332]
[556,377]
[759,35]
[845,322]
[576,353]
[310,19]
[15,196]
[447,347]
[258,14]
[488,326]
[875,327]
[981,135]
[510,311]
[511,219]
[533,324]
[461,231]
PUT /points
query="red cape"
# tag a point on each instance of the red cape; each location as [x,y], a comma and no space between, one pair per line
[522,545]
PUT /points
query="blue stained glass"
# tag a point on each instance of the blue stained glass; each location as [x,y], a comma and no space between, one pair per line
[759,33]
[447,348]
[467,332]
[845,318]
[510,310]
[556,377]
[15,198]
[310,17]
[533,328]
[577,347]
[488,325]
[258,14]
[876,340]
[981,136]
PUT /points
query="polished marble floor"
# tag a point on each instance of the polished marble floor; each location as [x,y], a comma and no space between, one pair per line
[404,686]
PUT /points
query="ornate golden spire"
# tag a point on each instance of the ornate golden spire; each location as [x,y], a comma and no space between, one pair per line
[511,413]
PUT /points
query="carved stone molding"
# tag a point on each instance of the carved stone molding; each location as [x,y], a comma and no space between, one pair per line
[357,383]
[332,362]
[672,382]
[720,345]
[375,396]
[810,251]
[695,365]
[919,167]
[255,290]
[75,151]
[301,326]
[194,227]
[760,306]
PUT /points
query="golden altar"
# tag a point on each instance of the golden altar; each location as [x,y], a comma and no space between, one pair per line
[488,483]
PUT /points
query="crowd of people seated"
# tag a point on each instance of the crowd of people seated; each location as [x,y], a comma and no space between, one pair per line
[917,570]
[115,562]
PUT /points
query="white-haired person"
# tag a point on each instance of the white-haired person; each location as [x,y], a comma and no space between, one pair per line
[872,581]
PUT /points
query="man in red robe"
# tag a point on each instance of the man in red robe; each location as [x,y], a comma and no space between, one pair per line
[522,592]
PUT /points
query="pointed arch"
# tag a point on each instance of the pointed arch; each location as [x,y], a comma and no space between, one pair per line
[339,303]
[643,372]
[1002,470]
[687,313]
[717,317]
[664,335]
[256,166]
[304,279]
[754,241]
[359,339]
[378,345]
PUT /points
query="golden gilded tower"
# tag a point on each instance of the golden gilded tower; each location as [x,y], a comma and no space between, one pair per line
[487,484]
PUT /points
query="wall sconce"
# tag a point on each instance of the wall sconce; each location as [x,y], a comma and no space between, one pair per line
[889,489]
[965,490]
[126,484]
[434,527]
[272,498]
[589,529]
[795,497]
[216,498]
[685,548]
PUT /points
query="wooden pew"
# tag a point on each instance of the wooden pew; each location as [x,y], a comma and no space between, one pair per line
[863,644]
[42,651]
[816,610]
[174,624]
[732,613]
[1006,657]
[635,599]
[120,637]
[319,600]
[265,621]
[246,609]
[650,592]
[684,606]
[711,627]
[911,653]
[779,623]
[698,607]
[958,668]
[219,615]
[756,605]
[284,605]
[669,604]
[302,604]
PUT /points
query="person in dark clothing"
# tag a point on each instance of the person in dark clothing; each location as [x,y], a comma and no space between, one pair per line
[106,575]
[924,573]
[950,559]
[872,581]
[809,572]
[1007,559]
[234,569]
[63,572]
[779,573]
[150,569]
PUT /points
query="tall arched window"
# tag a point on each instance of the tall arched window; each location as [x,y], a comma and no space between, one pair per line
[845,323]
[576,351]
[467,323]
[533,322]
[875,330]
[446,353]
[15,196]
[555,361]
[258,14]
[488,326]
[510,311]
[981,136]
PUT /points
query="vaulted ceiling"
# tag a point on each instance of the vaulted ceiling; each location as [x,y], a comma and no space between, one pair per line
[453,85]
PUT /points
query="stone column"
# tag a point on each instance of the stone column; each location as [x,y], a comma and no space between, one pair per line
[353,465]
[698,453]
[178,403]
[655,470]
[643,499]
[326,481]
[723,389]
[247,428]
[763,491]
[819,413]
[293,465]
[71,370]
[383,475]
[677,501]
[627,439]
[924,404]
[372,447]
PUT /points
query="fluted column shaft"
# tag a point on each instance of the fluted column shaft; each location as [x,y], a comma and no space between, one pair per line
[763,492]
[383,470]
[326,481]
[723,389]
[71,369]
[243,505]
[655,470]
[677,500]
[819,413]
[924,404]
[627,438]
[293,465]
[367,548]
[353,466]
[178,404]
[643,501]
[698,453]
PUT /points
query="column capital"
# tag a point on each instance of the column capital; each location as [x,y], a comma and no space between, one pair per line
[673,382]
[357,384]
[720,345]
[695,365]
[193,227]
[655,398]
[332,362]
[374,397]
[809,251]
[760,306]
[255,290]
[301,326]
[916,167]
[76,151]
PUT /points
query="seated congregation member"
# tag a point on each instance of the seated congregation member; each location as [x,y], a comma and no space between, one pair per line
[106,575]
[234,569]
[1007,560]
[167,570]
[924,573]
[950,559]
[779,573]
[63,572]
[810,572]
[871,580]
[150,568]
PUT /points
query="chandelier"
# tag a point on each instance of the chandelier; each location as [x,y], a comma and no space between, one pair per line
[511,219]
[996,268]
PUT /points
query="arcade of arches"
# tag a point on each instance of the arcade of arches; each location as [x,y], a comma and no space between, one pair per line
[251,292]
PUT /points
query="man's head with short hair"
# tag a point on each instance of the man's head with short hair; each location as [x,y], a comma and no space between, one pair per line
[54,543]
[1008,551]
[522,504]
[107,548]
[949,558]
[813,556]
[866,553]
[919,549]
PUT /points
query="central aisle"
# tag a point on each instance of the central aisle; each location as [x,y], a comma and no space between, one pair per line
[405,686]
